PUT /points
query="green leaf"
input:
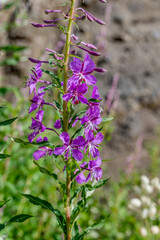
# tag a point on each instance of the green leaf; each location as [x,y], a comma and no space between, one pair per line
[12,48]
[88,187]
[43,143]
[7,122]
[87,230]
[4,155]
[53,175]
[78,132]
[46,205]
[80,207]
[74,118]
[2,203]
[19,218]
[9,62]
[94,100]
[107,119]
[2,226]
[53,76]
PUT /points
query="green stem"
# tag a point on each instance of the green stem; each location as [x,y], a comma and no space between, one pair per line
[65,115]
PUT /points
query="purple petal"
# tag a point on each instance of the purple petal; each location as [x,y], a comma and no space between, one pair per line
[39,115]
[80,178]
[76,154]
[57,124]
[59,150]
[33,107]
[67,97]
[38,154]
[65,138]
[32,136]
[82,99]
[98,173]
[82,88]
[76,65]
[95,93]
[79,141]
[90,79]
[98,138]
[88,177]
[88,65]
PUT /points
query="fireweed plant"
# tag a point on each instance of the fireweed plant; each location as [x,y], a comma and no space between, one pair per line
[79,152]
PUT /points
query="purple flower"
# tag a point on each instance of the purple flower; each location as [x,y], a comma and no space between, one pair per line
[92,143]
[76,94]
[82,71]
[37,125]
[41,152]
[96,96]
[70,147]
[94,171]
[92,119]
[33,80]
[57,124]
[37,101]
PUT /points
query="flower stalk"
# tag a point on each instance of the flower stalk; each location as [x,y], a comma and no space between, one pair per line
[65,117]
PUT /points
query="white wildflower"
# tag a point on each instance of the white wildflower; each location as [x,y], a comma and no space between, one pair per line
[137,189]
[143,232]
[155,183]
[152,212]
[147,188]
[145,213]
[146,200]
[144,179]
[135,203]
[155,230]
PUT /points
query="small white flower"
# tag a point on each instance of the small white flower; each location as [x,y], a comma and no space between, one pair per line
[152,212]
[147,188]
[143,232]
[155,183]
[144,179]
[135,203]
[146,200]
[144,213]
[155,230]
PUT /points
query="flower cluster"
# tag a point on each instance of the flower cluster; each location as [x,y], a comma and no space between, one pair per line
[146,205]
[79,79]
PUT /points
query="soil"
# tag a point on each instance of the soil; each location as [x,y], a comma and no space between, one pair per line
[130,42]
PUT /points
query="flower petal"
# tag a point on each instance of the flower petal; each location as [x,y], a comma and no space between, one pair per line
[76,65]
[90,79]
[38,154]
[76,154]
[65,138]
[88,65]
[80,178]
[59,150]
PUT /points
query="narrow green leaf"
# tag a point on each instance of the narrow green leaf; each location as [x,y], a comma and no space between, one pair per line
[7,122]
[12,48]
[94,100]
[80,207]
[19,218]
[2,226]
[43,143]
[4,155]
[107,119]
[79,132]
[2,203]
[87,230]
[46,205]
[97,185]
[53,175]
[74,118]
[53,76]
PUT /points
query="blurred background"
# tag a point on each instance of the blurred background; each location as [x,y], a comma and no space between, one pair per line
[130,43]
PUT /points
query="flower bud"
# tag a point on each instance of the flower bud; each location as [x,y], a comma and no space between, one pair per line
[53,11]
[38,25]
[33,60]
[101,70]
